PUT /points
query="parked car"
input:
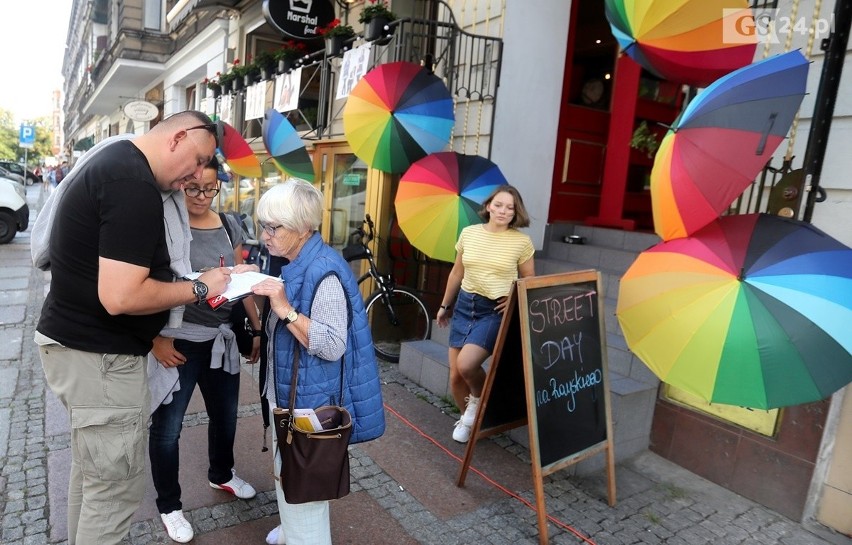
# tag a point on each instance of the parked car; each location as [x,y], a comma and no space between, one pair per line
[6,173]
[18,168]
[14,212]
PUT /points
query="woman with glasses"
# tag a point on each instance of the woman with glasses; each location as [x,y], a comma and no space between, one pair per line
[317,313]
[202,356]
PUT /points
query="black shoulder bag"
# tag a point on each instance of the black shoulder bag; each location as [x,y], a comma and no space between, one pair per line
[243,332]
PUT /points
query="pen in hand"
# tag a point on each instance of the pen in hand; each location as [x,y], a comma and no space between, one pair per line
[221,260]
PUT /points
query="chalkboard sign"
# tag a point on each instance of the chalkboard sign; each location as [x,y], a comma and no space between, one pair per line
[548,371]
[563,325]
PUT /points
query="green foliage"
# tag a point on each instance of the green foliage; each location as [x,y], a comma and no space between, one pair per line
[336,28]
[645,140]
[9,148]
[376,8]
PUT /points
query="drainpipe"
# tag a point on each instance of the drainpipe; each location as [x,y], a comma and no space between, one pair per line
[829,82]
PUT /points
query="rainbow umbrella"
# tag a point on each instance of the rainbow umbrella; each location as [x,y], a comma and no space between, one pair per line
[440,195]
[752,310]
[396,114]
[687,41]
[285,146]
[721,142]
[237,152]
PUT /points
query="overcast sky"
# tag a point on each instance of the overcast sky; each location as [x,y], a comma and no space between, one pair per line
[33,40]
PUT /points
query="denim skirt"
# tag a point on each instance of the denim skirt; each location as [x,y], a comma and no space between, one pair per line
[474,321]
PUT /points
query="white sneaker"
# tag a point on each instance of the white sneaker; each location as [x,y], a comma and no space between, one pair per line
[469,416]
[237,487]
[177,526]
[461,433]
[275,536]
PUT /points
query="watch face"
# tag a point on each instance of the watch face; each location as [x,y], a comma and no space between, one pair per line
[199,289]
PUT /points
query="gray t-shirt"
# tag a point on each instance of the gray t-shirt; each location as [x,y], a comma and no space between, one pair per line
[204,251]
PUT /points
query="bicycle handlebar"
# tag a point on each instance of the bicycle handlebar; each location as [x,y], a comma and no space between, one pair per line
[362,234]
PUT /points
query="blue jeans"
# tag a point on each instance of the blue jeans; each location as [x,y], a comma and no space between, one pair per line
[221,396]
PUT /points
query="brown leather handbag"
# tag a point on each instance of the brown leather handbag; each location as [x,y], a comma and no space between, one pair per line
[314,464]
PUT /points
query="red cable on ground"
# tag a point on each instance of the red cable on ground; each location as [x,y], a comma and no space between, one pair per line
[487,479]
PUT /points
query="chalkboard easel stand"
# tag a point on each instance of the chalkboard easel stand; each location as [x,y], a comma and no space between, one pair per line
[561,315]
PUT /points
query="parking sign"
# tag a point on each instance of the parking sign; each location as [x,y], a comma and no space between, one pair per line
[27,136]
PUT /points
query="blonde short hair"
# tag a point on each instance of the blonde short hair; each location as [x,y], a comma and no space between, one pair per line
[295,204]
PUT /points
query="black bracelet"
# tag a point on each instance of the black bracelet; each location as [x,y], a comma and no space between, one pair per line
[445,307]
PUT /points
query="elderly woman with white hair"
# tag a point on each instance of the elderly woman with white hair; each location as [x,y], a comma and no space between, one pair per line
[318,312]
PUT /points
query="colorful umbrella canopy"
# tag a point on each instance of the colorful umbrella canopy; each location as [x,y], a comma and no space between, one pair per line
[687,41]
[237,152]
[752,310]
[722,140]
[285,146]
[440,195]
[398,113]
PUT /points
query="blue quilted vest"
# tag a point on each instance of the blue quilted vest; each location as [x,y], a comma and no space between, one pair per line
[319,379]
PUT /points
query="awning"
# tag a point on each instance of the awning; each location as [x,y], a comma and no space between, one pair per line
[184,7]
[84,144]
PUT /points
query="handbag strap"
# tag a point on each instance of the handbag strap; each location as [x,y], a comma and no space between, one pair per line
[295,376]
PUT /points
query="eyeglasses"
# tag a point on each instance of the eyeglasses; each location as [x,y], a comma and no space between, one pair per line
[213,128]
[270,229]
[196,191]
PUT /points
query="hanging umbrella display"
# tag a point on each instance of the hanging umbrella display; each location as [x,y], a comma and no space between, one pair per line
[440,195]
[398,113]
[721,142]
[285,146]
[237,152]
[686,41]
[752,310]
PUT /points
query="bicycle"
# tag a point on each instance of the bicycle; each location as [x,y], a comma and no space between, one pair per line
[396,315]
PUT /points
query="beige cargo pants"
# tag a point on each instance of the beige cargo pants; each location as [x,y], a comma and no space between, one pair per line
[107,399]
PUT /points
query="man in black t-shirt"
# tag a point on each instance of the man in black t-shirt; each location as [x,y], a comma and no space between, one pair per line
[111,290]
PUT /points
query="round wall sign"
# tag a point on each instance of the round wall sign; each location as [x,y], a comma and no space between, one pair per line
[140,110]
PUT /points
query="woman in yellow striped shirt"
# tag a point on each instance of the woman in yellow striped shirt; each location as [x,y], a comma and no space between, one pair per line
[490,257]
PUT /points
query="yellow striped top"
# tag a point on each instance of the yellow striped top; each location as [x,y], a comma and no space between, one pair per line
[491,260]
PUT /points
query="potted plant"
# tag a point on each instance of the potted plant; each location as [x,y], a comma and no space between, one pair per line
[335,35]
[226,81]
[265,62]
[250,71]
[214,86]
[287,54]
[375,16]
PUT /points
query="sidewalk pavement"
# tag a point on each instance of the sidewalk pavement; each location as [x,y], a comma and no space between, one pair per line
[403,484]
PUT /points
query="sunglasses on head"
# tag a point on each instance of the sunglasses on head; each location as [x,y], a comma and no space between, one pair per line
[214,128]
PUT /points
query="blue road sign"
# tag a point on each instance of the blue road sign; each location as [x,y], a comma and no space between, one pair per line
[27,136]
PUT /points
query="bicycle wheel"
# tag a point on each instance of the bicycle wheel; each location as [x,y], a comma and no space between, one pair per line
[402,317]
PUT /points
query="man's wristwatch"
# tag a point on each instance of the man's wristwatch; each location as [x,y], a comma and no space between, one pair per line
[199,289]
[291,317]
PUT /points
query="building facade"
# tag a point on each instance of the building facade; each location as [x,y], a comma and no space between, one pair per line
[535,85]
